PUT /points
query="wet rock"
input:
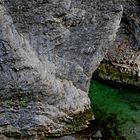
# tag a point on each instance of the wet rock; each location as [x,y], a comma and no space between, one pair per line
[64,138]
[97,135]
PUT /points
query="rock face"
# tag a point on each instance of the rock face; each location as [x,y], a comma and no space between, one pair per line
[122,63]
[48,52]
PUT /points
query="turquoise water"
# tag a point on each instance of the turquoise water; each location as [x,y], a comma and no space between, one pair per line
[117,111]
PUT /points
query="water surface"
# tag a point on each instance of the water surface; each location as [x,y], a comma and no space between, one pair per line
[117,111]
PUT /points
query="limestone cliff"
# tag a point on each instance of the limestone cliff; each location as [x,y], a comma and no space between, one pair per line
[122,62]
[48,52]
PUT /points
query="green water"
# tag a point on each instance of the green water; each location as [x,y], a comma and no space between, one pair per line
[117,111]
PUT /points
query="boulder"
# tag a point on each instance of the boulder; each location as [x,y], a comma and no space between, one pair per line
[48,52]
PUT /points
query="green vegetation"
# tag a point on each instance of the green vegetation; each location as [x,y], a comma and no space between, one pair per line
[76,124]
[23,102]
[109,71]
[19,102]
[117,111]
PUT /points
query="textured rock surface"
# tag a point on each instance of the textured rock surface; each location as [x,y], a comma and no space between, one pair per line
[122,63]
[48,52]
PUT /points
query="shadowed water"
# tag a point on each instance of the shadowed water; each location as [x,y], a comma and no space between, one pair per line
[117,111]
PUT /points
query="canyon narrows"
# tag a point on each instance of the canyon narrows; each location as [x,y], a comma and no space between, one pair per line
[122,62]
[48,52]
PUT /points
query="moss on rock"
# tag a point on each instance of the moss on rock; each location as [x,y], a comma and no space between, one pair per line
[117,73]
[78,123]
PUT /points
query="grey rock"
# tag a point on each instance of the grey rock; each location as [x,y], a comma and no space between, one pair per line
[98,134]
[64,138]
[48,52]
[122,62]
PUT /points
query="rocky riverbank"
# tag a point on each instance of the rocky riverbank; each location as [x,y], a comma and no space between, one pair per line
[122,62]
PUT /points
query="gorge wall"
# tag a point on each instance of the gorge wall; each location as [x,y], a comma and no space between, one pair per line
[122,62]
[48,52]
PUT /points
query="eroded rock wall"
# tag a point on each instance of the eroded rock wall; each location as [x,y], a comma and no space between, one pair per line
[122,62]
[48,52]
